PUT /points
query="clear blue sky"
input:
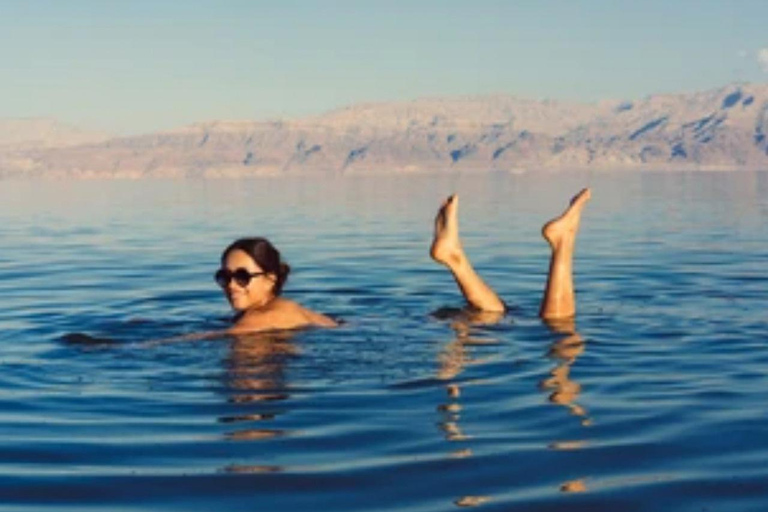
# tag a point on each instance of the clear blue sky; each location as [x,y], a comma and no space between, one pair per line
[141,65]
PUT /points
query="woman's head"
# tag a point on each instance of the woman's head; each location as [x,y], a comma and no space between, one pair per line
[251,273]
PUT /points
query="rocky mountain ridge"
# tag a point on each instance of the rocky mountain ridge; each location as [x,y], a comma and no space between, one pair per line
[726,128]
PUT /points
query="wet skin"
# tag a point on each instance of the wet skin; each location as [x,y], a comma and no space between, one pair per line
[558,300]
[257,306]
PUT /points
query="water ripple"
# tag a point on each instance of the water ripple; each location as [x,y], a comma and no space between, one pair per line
[653,398]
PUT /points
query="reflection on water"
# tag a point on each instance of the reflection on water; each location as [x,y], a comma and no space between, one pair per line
[565,350]
[255,377]
[456,355]
[453,359]
[574,486]
[564,390]
[471,501]
[237,468]
[255,366]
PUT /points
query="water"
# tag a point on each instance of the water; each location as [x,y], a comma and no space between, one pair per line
[657,402]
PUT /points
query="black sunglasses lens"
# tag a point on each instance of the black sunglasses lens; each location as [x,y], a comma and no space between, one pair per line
[222,277]
[242,277]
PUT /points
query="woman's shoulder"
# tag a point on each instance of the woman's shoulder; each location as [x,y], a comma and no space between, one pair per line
[296,310]
[281,313]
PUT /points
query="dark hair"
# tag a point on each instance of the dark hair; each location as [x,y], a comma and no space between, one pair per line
[264,254]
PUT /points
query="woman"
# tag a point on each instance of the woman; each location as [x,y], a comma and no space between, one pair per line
[558,302]
[252,276]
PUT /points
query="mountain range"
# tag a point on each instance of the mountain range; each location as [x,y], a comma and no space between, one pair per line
[725,128]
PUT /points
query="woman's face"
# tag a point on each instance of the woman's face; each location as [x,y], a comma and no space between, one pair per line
[259,289]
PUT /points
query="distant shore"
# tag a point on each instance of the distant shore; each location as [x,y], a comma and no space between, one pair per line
[725,129]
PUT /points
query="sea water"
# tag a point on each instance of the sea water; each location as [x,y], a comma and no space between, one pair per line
[654,398]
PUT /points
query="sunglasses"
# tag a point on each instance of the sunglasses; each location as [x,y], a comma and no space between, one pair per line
[242,277]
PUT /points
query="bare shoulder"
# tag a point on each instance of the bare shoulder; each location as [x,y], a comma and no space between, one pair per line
[281,314]
[319,319]
[299,312]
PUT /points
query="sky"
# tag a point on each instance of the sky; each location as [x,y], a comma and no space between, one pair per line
[138,66]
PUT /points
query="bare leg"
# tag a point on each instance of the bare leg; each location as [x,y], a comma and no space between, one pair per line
[558,301]
[447,249]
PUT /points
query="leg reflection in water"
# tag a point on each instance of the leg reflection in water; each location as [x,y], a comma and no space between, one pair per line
[453,359]
[565,351]
[564,390]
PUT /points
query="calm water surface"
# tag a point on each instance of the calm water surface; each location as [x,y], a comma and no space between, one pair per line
[654,399]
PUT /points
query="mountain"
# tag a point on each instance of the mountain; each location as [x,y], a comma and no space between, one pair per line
[17,134]
[726,128]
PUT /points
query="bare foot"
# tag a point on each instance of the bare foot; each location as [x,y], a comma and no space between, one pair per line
[446,247]
[565,226]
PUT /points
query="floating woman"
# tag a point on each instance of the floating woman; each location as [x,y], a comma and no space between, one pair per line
[558,302]
[252,276]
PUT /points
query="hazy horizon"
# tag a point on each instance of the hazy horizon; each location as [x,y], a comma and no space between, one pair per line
[299,116]
[143,66]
